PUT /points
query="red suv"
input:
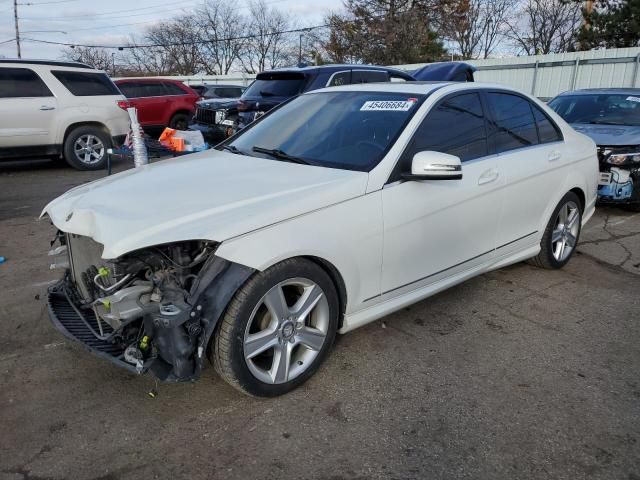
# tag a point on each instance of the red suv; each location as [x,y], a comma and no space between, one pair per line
[160,102]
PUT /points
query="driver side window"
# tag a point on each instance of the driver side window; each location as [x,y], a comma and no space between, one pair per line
[455,126]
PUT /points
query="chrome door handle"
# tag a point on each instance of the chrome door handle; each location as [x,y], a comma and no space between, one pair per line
[47,107]
[488,177]
[555,155]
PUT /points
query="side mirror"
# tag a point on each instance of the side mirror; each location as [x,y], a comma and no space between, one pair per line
[431,165]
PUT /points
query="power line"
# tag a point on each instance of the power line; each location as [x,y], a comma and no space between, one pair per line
[110,12]
[29,4]
[164,45]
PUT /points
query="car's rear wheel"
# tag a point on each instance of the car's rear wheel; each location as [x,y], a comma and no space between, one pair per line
[278,329]
[180,121]
[561,234]
[85,148]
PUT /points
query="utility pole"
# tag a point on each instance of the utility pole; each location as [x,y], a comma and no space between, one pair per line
[15,16]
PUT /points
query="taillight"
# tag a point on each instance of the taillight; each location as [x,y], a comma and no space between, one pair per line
[124,104]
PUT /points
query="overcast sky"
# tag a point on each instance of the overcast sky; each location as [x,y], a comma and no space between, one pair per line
[112,22]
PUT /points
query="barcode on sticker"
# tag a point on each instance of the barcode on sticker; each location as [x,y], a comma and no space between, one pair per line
[388,105]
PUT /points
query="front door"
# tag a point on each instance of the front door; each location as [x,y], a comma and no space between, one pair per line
[436,228]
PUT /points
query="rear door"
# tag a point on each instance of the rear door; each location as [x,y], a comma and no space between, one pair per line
[530,148]
[28,109]
[437,228]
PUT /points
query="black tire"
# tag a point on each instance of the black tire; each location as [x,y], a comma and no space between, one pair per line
[71,152]
[180,121]
[228,343]
[546,259]
[633,207]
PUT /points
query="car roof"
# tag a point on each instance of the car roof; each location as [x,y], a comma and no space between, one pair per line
[601,91]
[21,61]
[417,87]
[151,80]
[225,85]
[442,70]
[336,67]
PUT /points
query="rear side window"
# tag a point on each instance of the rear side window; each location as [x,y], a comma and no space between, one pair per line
[22,82]
[456,126]
[364,76]
[85,84]
[547,130]
[152,89]
[340,78]
[173,89]
[516,127]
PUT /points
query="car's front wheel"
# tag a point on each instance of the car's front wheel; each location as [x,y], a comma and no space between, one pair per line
[278,329]
[561,234]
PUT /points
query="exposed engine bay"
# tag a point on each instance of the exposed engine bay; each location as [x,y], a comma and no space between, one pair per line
[143,304]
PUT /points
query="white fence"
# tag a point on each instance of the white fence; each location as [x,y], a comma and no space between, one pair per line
[541,75]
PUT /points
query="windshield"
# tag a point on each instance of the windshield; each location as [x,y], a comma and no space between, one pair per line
[604,109]
[273,85]
[348,130]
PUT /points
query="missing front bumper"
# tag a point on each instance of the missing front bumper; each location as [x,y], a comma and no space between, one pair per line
[80,326]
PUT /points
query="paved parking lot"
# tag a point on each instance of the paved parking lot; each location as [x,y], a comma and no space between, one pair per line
[518,374]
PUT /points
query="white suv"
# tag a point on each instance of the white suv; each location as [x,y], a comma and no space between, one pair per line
[54,108]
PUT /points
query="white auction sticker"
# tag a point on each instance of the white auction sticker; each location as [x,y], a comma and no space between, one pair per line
[388,105]
[633,99]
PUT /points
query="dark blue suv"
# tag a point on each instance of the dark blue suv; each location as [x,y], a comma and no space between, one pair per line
[273,87]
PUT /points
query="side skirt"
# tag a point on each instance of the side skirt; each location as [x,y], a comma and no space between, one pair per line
[513,252]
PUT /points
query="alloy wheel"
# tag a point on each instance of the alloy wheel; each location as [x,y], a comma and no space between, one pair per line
[89,149]
[565,232]
[286,331]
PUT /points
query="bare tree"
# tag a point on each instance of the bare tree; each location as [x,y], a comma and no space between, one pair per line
[268,47]
[99,58]
[222,30]
[546,26]
[172,48]
[475,26]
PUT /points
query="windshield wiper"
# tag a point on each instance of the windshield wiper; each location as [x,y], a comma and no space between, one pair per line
[233,149]
[277,153]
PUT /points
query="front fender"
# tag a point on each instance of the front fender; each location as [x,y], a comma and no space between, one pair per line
[347,235]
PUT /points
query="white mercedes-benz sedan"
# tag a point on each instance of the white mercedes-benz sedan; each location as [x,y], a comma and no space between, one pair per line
[333,210]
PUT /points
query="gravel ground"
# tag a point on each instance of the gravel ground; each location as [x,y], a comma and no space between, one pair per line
[518,374]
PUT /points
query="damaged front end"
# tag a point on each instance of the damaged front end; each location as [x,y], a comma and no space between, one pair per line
[153,309]
[619,181]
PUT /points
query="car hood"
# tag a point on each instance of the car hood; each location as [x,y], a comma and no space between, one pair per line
[610,135]
[204,196]
[216,103]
